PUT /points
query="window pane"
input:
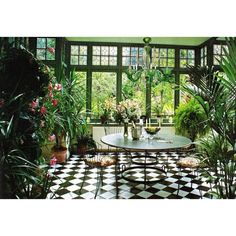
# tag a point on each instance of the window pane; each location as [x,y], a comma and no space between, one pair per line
[50,55]
[191,62]
[217,49]
[83,50]
[183,63]
[74,60]
[41,43]
[183,53]
[171,63]
[105,51]
[190,53]
[104,85]
[171,53]
[96,60]
[163,52]
[113,51]
[96,50]
[162,62]
[83,60]
[134,51]
[133,61]
[51,42]
[41,54]
[75,50]
[125,51]
[126,61]
[132,90]
[113,61]
[104,61]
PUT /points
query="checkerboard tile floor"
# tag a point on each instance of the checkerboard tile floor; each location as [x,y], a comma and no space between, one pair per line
[69,178]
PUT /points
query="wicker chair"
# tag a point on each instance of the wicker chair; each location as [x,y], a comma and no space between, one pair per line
[192,163]
[95,159]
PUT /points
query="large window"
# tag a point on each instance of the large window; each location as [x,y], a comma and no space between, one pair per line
[134,90]
[163,57]
[103,88]
[46,48]
[204,56]
[187,57]
[78,55]
[132,56]
[104,56]
[218,53]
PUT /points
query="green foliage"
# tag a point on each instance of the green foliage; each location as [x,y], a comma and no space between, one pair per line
[22,80]
[190,120]
[63,105]
[217,96]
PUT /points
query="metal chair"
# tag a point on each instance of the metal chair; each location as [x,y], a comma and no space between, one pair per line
[94,159]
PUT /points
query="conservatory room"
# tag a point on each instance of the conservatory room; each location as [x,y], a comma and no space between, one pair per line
[117,117]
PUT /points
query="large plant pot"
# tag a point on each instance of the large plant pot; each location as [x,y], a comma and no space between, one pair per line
[60,154]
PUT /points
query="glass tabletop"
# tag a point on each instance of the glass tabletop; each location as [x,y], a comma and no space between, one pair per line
[163,142]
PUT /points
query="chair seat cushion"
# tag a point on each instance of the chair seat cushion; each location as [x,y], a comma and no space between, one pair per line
[189,162]
[101,161]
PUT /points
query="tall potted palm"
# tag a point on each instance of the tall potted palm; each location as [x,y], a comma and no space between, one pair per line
[217,95]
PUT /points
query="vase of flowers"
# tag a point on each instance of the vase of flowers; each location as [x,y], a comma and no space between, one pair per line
[108,108]
[128,111]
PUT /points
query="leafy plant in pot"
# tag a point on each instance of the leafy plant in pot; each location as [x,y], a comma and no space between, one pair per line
[60,109]
[217,96]
[84,138]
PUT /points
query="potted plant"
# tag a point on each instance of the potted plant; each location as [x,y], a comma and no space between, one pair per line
[60,109]
[216,94]
[84,138]
[190,120]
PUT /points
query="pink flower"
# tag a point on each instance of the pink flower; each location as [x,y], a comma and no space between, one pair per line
[51,50]
[58,87]
[34,104]
[50,94]
[53,161]
[52,137]
[54,102]
[43,110]
[2,101]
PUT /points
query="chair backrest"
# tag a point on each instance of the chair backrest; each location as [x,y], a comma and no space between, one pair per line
[112,129]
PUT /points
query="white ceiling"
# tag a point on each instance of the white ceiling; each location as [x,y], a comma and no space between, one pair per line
[189,41]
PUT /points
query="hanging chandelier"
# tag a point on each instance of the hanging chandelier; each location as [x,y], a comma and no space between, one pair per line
[149,68]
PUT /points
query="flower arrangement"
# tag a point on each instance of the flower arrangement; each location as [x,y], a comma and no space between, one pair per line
[128,111]
[109,108]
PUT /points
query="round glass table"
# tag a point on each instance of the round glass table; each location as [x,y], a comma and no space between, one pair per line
[145,163]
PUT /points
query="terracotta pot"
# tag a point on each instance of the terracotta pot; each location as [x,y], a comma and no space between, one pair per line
[60,154]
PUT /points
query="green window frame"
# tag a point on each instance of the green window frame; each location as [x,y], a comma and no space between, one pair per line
[186,57]
[163,57]
[218,53]
[104,55]
[78,55]
[45,49]
[132,56]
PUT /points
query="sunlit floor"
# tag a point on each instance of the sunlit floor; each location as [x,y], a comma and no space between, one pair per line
[184,184]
